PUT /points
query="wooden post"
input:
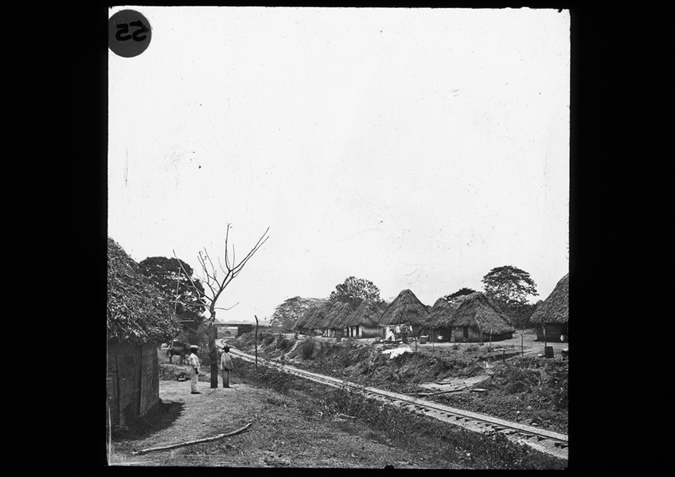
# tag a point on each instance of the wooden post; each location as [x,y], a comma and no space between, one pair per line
[256,341]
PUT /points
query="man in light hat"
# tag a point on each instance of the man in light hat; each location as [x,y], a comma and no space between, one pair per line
[193,362]
[226,365]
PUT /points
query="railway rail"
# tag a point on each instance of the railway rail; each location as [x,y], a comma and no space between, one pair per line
[550,442]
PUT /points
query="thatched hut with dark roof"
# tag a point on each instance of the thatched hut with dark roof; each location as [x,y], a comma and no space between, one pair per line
[438,324]
[478,319]
[364,322]
[552,315]
[334,323]
[406,309]
[312,317]
[139,319]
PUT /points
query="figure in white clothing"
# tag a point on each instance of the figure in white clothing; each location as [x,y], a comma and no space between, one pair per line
[193,362]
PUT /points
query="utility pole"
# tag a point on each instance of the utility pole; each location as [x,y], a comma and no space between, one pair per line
[256,341]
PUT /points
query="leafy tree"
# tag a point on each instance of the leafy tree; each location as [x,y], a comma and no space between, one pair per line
[460,292]
[287,313]
[355,289]
[520,315]
[508,287]
[167,274]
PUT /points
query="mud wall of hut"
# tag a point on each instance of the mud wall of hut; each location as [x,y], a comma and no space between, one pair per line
[473,335]
[553,331]
[132,380]
[369,332]
[438,334]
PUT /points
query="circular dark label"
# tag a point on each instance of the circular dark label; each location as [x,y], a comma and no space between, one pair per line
[129,33]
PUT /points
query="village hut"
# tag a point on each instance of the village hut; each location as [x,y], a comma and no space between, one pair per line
[139,319]
[478,319]
[438,325]
[364,322]
[406,309]
[552,315]
[312,317]
[335,319]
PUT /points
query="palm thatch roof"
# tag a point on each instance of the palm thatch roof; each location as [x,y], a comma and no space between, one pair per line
[477,310]
[339,313]
[441,313]
[137,311]
[405,309]
[367,314]
[555,309]
[313,315]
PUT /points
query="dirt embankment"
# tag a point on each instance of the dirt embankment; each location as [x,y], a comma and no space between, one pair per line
[528,389]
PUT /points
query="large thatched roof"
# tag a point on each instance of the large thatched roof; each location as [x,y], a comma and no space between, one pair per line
[477,310]
[368,313]
[137,311]
[555,309]
[313,315]
[405,309]
[339,313]
[441,313]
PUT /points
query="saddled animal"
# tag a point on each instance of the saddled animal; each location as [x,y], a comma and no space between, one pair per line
[178,350]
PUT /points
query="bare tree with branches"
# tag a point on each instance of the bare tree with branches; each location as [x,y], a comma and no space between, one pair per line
[215,285]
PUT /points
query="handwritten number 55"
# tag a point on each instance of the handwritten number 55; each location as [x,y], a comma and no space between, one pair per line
[123,31]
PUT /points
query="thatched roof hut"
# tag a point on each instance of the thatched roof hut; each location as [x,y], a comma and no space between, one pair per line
[441,314]
[476,310]
[555,309]
[313,316]
[339,314]
[139,318]
[368,313]
[137,311]
[405,309]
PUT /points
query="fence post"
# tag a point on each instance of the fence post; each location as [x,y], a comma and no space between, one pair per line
[256,341]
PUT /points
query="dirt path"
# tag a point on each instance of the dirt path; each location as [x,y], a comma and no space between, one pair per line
[284,433]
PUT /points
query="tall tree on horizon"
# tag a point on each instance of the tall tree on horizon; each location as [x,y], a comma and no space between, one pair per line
[461,292]
[356,289]
[509,287]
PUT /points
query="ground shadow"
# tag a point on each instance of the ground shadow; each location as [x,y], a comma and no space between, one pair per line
[161,416]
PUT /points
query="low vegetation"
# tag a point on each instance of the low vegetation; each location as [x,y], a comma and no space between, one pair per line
[521,389]
[436,441]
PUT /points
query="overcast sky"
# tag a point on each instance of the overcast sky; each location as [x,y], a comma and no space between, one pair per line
[416,148]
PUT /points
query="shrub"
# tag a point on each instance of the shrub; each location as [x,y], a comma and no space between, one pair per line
[516,387]
[307,348]
[266,338]
[283,343]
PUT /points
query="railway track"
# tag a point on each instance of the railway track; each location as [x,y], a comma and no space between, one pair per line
[542,440]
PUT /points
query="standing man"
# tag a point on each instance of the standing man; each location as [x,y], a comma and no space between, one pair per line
[226,365]
[193,362]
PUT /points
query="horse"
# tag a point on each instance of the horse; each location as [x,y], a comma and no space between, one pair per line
[177,350]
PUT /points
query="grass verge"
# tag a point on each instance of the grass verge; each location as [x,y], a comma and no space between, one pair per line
[435,440]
